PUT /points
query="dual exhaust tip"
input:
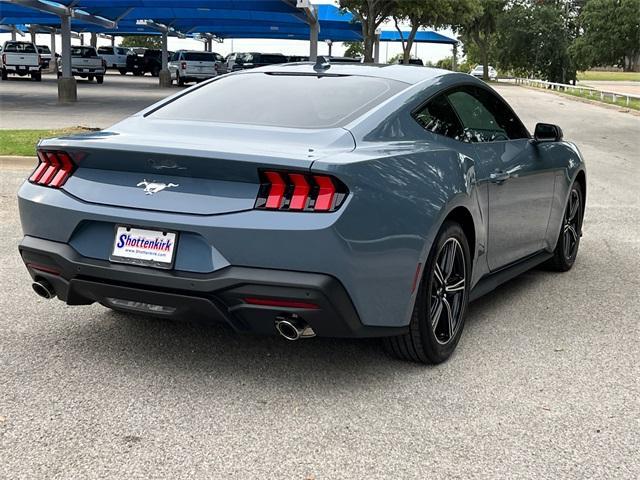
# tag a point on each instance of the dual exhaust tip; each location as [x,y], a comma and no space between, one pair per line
[43,289]
[294,328]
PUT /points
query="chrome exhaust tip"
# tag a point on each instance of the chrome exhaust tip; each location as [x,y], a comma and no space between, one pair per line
[294,328]
[43,289]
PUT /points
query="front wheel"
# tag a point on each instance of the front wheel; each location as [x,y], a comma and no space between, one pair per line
[564,256]
[438,315]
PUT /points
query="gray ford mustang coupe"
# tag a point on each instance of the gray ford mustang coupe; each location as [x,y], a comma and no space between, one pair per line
[330,200]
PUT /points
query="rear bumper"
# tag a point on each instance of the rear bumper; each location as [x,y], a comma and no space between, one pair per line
[215,297]
[22,69]
[87,71]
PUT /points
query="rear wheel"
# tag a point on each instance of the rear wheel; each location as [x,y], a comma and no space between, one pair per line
[4,75]
[155,71]
[123,71]
[90,78]
[180,80]
[438,315]
[36,76]
[564,256]
[100,79]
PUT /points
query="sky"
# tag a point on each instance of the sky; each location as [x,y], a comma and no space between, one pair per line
[427,52]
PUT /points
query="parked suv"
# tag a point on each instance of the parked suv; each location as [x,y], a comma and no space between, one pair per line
[45,56]
[478,72]
[115,57]
[85,63]
[145,61]
[243,61]
[20,58]
[192,66]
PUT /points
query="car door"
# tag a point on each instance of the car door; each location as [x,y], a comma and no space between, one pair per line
[520,182]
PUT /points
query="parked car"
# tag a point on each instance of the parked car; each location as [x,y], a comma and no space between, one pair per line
[478,72]
[412,61]
[45,56]
[302,58]
[115,57]
[20,58]
[342,201]
[192,66]
[146,60]
[86,63]
[244,61]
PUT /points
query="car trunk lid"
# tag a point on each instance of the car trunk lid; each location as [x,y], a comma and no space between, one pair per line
[185,166]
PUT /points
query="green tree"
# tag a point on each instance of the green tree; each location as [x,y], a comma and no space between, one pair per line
[479,32]
[431,13]
[354,49]
[611,34]
[146,41]
[371,14]
[535,38]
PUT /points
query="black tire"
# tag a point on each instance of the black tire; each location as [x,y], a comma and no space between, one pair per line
[4,75]
[90,78]
[180,80]
[155,71]
[123,71]
[138,73]
[433,342]
[566,251]
[100,79]
[36,76]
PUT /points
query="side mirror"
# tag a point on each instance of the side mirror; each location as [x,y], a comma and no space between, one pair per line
[547,132]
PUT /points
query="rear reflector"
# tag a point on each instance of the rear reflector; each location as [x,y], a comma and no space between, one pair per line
[54,169]
[276,302]
[301,192]
[43,268]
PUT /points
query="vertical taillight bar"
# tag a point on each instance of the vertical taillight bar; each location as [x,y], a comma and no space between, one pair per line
[54,169]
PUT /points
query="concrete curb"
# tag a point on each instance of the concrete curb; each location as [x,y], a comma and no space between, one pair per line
[12,161]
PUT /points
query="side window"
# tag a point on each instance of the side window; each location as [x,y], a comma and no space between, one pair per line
[438,117]
[484,117]
[478,122]
[105,51]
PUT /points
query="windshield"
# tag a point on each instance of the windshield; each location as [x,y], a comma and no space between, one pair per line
[284,100]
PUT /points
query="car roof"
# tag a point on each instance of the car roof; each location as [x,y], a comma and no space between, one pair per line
[410,74]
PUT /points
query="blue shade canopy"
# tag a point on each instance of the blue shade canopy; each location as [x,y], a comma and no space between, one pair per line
[421,37]
[275,19]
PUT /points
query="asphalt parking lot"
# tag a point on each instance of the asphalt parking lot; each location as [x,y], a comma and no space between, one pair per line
[29,104]
[544,384]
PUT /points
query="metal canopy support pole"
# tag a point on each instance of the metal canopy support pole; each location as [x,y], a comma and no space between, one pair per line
[376,48]
[94,40]
[113,40]
[67,88]
[314,31]
[32,31]
[13,35]
[165,75]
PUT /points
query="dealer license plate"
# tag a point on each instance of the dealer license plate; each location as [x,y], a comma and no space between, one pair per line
[154,248]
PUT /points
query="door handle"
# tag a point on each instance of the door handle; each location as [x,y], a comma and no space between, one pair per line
[499,176]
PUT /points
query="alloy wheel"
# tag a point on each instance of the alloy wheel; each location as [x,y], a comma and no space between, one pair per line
[448,286]
[571,227]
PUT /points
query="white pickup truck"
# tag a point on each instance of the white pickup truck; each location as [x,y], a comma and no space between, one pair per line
[85,63]
[20,58]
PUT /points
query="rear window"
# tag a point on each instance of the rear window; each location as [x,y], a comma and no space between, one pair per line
[20,47]
[199,56]
[84,52]
[105,51]
[283,100]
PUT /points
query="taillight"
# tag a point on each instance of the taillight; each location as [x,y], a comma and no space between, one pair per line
[39,60]
[300,192]
[183,65]
[4,58]
[54,168]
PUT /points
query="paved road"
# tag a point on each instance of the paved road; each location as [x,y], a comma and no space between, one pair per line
[544,383]
[28,104]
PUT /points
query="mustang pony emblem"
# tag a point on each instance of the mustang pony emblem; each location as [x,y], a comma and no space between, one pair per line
[153,187]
